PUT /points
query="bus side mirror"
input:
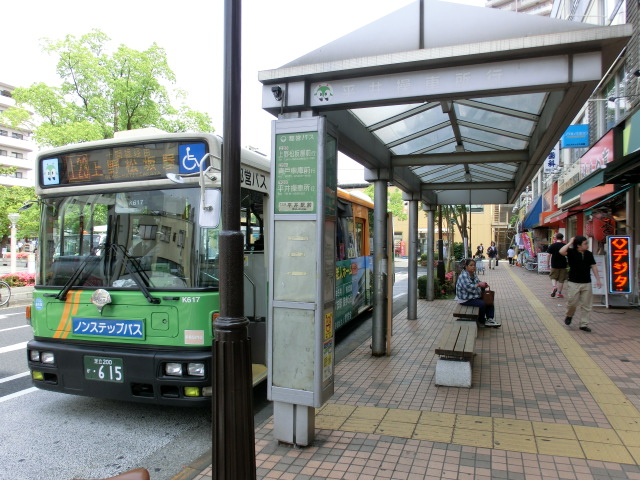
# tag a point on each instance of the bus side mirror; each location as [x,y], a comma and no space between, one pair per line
[210,208]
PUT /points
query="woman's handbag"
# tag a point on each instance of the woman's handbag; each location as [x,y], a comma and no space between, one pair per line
[487,297]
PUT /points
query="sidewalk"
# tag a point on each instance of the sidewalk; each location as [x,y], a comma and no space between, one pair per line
[547,401]
[20,296]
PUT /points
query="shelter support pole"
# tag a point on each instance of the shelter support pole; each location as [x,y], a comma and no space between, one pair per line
[441,268]
[233,436]
[412,292]
[380,296]
[431,227]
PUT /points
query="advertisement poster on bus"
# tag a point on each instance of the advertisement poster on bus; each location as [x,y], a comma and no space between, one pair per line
[352,288]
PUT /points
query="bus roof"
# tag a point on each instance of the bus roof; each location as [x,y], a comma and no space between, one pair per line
[356,196]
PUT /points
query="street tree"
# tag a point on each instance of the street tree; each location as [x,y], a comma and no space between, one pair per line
[395,204]
[102,93]
[11,199]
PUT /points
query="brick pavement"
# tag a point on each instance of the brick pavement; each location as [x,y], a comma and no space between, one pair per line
[547,401]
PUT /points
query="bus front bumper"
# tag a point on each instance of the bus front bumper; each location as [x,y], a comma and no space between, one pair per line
[122,373]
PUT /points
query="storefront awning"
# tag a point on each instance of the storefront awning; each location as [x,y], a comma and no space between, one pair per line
[624,170]
[593,180]
[610,197]
[533,218]
[556,217]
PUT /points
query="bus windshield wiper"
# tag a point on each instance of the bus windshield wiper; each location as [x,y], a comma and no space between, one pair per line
[62,294]
[136,273]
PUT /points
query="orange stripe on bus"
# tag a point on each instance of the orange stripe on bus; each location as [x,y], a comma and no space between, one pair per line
[76,305]
[63,319]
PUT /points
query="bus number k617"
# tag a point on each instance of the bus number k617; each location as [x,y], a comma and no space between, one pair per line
[190,299]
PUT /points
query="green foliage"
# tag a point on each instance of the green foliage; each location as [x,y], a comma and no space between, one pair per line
[19,279]
[447,289]
[422,286]
[11,199]
[103,93]
[395,204]
[458,250]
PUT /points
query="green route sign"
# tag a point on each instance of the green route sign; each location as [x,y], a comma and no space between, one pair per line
[296,172]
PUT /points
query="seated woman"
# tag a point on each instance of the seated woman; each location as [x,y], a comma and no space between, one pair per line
[469,292]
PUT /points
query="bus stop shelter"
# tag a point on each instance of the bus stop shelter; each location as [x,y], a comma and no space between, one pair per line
[451,103]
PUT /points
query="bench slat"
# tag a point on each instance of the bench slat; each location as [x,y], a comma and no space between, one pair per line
[450,339]
[466,311]
[457,341]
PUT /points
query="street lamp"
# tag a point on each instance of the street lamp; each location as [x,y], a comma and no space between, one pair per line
[13,218]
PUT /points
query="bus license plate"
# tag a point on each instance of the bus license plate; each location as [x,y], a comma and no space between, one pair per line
[104,369]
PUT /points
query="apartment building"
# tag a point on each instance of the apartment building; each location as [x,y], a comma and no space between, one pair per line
[17,148]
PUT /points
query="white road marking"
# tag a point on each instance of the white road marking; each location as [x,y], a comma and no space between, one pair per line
[17,394]
[13,377]
[14,328]
[14,347]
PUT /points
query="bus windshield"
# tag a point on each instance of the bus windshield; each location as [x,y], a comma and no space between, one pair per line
[117,238]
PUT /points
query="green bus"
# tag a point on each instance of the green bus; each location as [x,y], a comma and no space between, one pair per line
[127,272]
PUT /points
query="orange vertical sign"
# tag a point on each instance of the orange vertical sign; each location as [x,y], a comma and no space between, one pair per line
[619,253]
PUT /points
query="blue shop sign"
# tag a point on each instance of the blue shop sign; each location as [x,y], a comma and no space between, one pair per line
[575,136]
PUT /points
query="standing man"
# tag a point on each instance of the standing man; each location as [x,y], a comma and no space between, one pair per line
[492,252]
[581,264]
[558,265]
[511,253]
[479,251]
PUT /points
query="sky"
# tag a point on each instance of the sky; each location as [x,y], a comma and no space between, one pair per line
[191,31]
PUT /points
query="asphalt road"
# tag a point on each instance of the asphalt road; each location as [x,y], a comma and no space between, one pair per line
[47,435]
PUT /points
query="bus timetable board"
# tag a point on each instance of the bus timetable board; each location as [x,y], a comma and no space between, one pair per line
[122,163]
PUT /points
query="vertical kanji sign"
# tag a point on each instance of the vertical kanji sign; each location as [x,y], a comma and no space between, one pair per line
[619,252]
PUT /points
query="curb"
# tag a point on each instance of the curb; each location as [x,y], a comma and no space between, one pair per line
[20,296]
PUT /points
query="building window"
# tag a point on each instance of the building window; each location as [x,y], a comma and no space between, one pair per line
[17,155]
[18,174]
[4,133]
[19,136]
[3,153]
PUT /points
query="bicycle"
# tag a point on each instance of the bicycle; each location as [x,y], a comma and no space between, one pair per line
[5,293]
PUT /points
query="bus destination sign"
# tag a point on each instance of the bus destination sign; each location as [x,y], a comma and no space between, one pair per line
[120,164]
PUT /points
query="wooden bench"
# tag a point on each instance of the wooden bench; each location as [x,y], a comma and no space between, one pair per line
[455,347]
[466,313]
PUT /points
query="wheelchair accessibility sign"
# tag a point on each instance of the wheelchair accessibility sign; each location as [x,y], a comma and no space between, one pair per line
[192,157]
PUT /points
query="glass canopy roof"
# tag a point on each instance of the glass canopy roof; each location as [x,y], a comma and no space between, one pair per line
[448,110]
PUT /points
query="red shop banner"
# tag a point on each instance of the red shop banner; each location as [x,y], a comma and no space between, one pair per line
[619,253]
[598,156]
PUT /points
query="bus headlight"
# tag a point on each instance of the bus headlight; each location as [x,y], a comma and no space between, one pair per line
[173,369]
[48,357]
[196,369]
[34,355]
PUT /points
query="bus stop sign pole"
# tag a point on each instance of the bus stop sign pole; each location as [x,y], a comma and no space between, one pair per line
[233,436]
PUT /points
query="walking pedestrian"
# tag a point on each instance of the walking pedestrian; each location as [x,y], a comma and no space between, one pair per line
[469,292]
[492,252]
[581,264]
[558,273]
[511,253]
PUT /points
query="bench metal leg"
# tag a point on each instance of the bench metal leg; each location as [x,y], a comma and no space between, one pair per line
[453,373]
